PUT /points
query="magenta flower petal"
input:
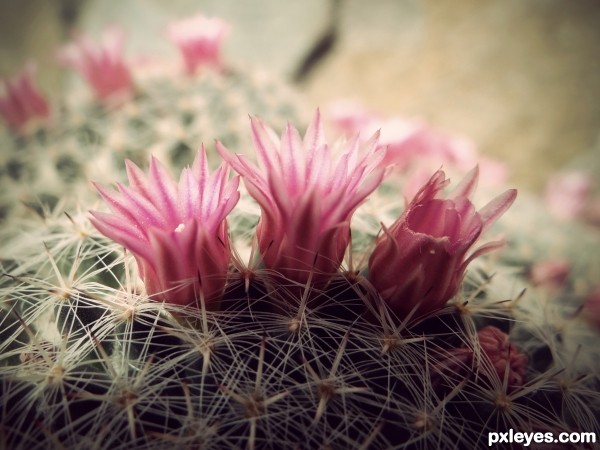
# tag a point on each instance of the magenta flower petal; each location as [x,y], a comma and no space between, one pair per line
[177,231]
[418,264]
[307,198]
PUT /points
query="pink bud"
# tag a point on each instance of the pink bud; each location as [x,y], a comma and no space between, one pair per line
[307,197]
[503,357]
[493,357]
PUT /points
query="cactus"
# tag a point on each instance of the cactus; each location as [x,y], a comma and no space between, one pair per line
[274,349]
[89,360]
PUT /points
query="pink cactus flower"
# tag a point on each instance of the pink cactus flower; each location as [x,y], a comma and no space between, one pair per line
[419,262]
[101,65]
[414,144]
[176,231]
[22,102]
[591,307]
[199,40]
[306,198]
[567,194]
[550,273]
[499,358]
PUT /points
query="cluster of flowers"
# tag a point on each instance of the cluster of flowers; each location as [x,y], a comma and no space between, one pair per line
[307,192]
[103,66]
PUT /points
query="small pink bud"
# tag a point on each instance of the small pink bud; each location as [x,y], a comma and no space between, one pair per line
[498,358]
[503,355]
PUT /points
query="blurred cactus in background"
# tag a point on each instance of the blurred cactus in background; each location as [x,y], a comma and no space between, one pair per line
[332,300]
[135,109]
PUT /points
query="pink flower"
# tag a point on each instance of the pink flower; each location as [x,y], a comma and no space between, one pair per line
[350,116]
[306,198]
[418,264]
[499,358]
[101,65]
[199,39]
[21,101]
[567,194]
[176,231]
[413,144]
[591,307]
[551,273]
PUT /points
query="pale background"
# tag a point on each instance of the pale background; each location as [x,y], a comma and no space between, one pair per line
[520,77]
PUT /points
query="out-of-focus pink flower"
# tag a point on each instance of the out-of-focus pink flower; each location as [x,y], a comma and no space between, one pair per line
[591,307]
[551,273]
[306,198]
[199,40]
[499,358]
[567,194]
[419,262]
[22,102]
[350,116]
[176,231]
[414,145]
[414,142]
[103,66]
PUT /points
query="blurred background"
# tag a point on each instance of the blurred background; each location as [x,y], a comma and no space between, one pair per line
[520,78]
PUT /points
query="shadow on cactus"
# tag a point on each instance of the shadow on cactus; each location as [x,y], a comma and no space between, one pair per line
[190,347]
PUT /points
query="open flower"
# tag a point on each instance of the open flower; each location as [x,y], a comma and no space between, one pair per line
[176,231]
[199,40]
[101,65]
[418,264]
[306,198]
[21,101]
